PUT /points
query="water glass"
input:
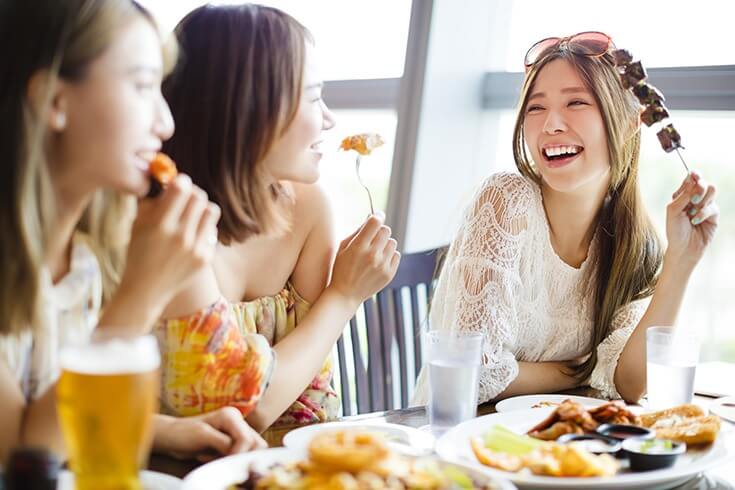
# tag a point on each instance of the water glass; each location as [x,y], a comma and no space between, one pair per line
[107,396]
[672,357]
[453,360]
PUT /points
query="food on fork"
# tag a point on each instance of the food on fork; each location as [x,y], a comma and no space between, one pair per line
[162,170]
[363,143]
[684,423]
[669,138]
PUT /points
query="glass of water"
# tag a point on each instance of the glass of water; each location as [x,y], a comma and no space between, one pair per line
[672,357]
[453,360]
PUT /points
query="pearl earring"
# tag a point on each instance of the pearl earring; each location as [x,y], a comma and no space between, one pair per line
[59,121]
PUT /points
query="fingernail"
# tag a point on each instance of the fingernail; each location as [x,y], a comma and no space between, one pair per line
[697,220]
[696,198]
[380,214]
[692,211]
[184,181]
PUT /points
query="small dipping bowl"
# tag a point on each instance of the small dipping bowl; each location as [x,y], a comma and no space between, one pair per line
[652,454]
[622,432]
[593,443]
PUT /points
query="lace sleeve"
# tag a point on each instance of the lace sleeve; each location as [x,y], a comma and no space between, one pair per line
[608,352]
[477,287]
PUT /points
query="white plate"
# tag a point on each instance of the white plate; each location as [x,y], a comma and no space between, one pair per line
[219,474]
[455,446]
[151,480]
[528,401]
[397,435]
[727,413]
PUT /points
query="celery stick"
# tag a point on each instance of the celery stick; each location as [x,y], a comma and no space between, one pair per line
[502,440]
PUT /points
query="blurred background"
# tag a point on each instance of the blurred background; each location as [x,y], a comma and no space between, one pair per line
[439,81]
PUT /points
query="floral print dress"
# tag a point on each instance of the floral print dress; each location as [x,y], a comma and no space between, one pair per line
[221,356]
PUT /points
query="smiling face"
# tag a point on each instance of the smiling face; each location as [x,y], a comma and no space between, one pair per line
[116,116]
[565,132]
[295,155]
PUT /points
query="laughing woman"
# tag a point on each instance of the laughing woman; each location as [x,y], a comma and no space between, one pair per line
[560,267]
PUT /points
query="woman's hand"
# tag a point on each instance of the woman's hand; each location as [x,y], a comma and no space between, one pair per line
[691,221]
[173,237]
[204,437]
[366,261]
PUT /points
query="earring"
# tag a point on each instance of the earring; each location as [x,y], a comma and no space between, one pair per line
[59,121]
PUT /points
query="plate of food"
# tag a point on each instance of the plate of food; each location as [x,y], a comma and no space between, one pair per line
[525,402]
[410,439]
[338,459]
[541,447]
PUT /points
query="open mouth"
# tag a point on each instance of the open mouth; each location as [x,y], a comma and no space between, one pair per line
[562,154]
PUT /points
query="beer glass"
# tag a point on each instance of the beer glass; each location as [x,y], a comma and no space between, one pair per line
[106,396]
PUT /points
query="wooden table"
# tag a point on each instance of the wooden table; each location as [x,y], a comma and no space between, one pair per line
[722,478]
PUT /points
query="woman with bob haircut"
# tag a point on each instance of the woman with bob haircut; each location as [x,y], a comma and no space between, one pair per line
[247,101]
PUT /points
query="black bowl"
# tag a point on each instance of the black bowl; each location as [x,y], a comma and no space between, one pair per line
[652,454]
[622,432]
[594,443]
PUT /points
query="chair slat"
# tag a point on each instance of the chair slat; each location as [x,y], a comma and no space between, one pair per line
[401,341]
[344,381]
[376,373]
[361,379]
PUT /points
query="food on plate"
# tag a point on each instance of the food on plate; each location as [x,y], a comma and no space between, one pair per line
[353,459]
[543,404]
[684,423]
[571,417]
[621,432]
[594,443]
[505,450]
[363,143]
[161,170]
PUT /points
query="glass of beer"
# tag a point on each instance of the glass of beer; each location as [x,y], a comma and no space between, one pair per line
[106,396]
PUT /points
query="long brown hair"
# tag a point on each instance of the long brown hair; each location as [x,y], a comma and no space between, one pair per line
[629,254]
[236,89]
[60,38]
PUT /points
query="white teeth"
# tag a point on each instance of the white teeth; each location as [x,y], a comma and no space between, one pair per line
[561,150]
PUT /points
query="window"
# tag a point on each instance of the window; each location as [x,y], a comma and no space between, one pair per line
[356,40]
[673,33]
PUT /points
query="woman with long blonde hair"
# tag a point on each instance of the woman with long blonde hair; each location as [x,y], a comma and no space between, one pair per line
[82,115]
[560,267]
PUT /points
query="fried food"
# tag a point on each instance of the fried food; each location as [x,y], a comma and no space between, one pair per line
[569,418]
[685,423]
[614,412]
[346,450]
[501,461]
[363,143]
[162,170]
[556,430]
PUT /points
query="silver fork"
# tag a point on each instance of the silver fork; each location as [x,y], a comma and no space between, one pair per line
[370,197]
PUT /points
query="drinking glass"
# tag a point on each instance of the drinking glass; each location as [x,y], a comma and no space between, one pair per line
[672,357]
[107,395]
[453,360]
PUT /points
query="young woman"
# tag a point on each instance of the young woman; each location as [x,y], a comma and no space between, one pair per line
[560,267]
[247,101]
[82,115]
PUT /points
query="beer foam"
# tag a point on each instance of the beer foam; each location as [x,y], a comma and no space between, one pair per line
[114,356]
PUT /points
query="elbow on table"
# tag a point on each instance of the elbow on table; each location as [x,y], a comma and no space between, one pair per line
[631,390]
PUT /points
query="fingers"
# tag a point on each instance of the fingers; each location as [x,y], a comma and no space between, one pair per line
[708,214]
[244,438]
[688,180]
[206,234]
[174,199]
[192,215]
[702,204]
[366,235]
[681,198]
[216,439]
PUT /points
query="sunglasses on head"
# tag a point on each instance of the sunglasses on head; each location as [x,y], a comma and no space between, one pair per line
[588,43]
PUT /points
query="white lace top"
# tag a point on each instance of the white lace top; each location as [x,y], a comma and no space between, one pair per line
[503,278]
[70,312]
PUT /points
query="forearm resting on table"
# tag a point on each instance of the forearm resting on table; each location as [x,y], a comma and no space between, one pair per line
[300,355]
[540,377]
[630,373]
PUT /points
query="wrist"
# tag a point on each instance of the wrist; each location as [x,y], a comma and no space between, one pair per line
[342,298]
[677,266]
[161,429]
[134,306]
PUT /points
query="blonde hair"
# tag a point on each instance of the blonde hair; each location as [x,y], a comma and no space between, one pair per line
[629,253]
[60,38]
